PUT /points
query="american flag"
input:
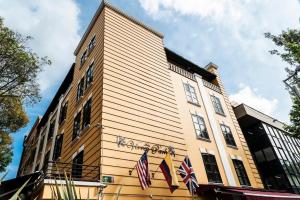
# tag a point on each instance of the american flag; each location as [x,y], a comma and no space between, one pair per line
[188,175]
[143,171]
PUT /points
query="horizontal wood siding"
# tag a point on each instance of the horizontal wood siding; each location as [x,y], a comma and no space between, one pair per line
[139,105]
[90,136]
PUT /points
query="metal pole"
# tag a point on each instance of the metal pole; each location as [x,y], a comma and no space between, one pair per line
[191,186]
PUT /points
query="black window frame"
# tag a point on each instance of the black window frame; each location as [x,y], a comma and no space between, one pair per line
[80,89]
[51,130]
[89,75]
[63,113]
[58,146]
[41,145]
[92,44]
[241,172]
[76,126]
[200,127]
[77,164]
[190,93]
[211,168]
[228,136]
[83,57]
[86,114]
[217,105]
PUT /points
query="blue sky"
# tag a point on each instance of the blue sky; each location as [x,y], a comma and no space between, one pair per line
[228,33]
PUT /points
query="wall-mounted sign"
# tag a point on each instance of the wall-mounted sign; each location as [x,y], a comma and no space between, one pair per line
[153,148]
[107,179]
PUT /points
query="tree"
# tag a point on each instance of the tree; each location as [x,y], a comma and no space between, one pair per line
[289,42]
[19,67]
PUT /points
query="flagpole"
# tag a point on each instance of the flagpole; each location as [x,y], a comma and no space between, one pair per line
[191,186]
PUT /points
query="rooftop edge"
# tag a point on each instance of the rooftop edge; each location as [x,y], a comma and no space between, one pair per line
[99,10]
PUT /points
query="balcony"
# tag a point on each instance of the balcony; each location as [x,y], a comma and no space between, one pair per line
[212,86]
[78,172]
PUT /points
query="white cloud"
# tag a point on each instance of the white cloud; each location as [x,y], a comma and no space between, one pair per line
[54,26]
[230,33]
[252,98]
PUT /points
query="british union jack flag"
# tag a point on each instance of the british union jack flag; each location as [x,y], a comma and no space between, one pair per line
[188,175]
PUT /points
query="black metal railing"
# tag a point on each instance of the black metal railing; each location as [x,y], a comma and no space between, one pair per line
[78,172]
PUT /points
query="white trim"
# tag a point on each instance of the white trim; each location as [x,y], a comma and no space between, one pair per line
[216,131]
[211,152]
[90,96]
[74,155]
[202,150]
[81,148]
[267,195]
[76,183]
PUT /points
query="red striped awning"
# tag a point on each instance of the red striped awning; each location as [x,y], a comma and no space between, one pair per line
[264,195]
[226,192]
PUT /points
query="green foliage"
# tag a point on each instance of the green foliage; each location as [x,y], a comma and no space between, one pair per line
[66,191]
[5,150]
[19,67]
[295,118]
[289,43]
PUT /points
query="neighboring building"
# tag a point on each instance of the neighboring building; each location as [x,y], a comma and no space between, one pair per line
[126,92]
[277,155]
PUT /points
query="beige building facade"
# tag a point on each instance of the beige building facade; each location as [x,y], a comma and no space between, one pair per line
[126,93]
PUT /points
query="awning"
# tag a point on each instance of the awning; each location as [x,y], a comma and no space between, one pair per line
[226,192]
[263,194]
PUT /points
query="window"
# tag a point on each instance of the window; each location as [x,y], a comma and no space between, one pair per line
[58,146]
[76,126]
[228,135]
[211,168]
[83,57]
[86,118]
[217,105]
[200,127]
[80,88]
[63,113]
[51,130]
[32,155]
[190,93]
[89,75]
[241,172]
[77,165]
[92,43]
[41,143]
[269,154]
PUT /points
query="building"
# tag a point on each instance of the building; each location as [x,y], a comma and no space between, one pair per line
[277,155]
[125,93]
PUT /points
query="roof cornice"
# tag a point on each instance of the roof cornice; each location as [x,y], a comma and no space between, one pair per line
[105,3]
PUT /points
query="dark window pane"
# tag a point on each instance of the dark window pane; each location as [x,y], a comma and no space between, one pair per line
[190,93]
[86,114]
[89,76]
[211,168]
[217,105]
[76,126]
[77,165]
[241,172]
[200,127]
[51,130]
[80,88]
[58,146]
[228,135]
[63,113]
